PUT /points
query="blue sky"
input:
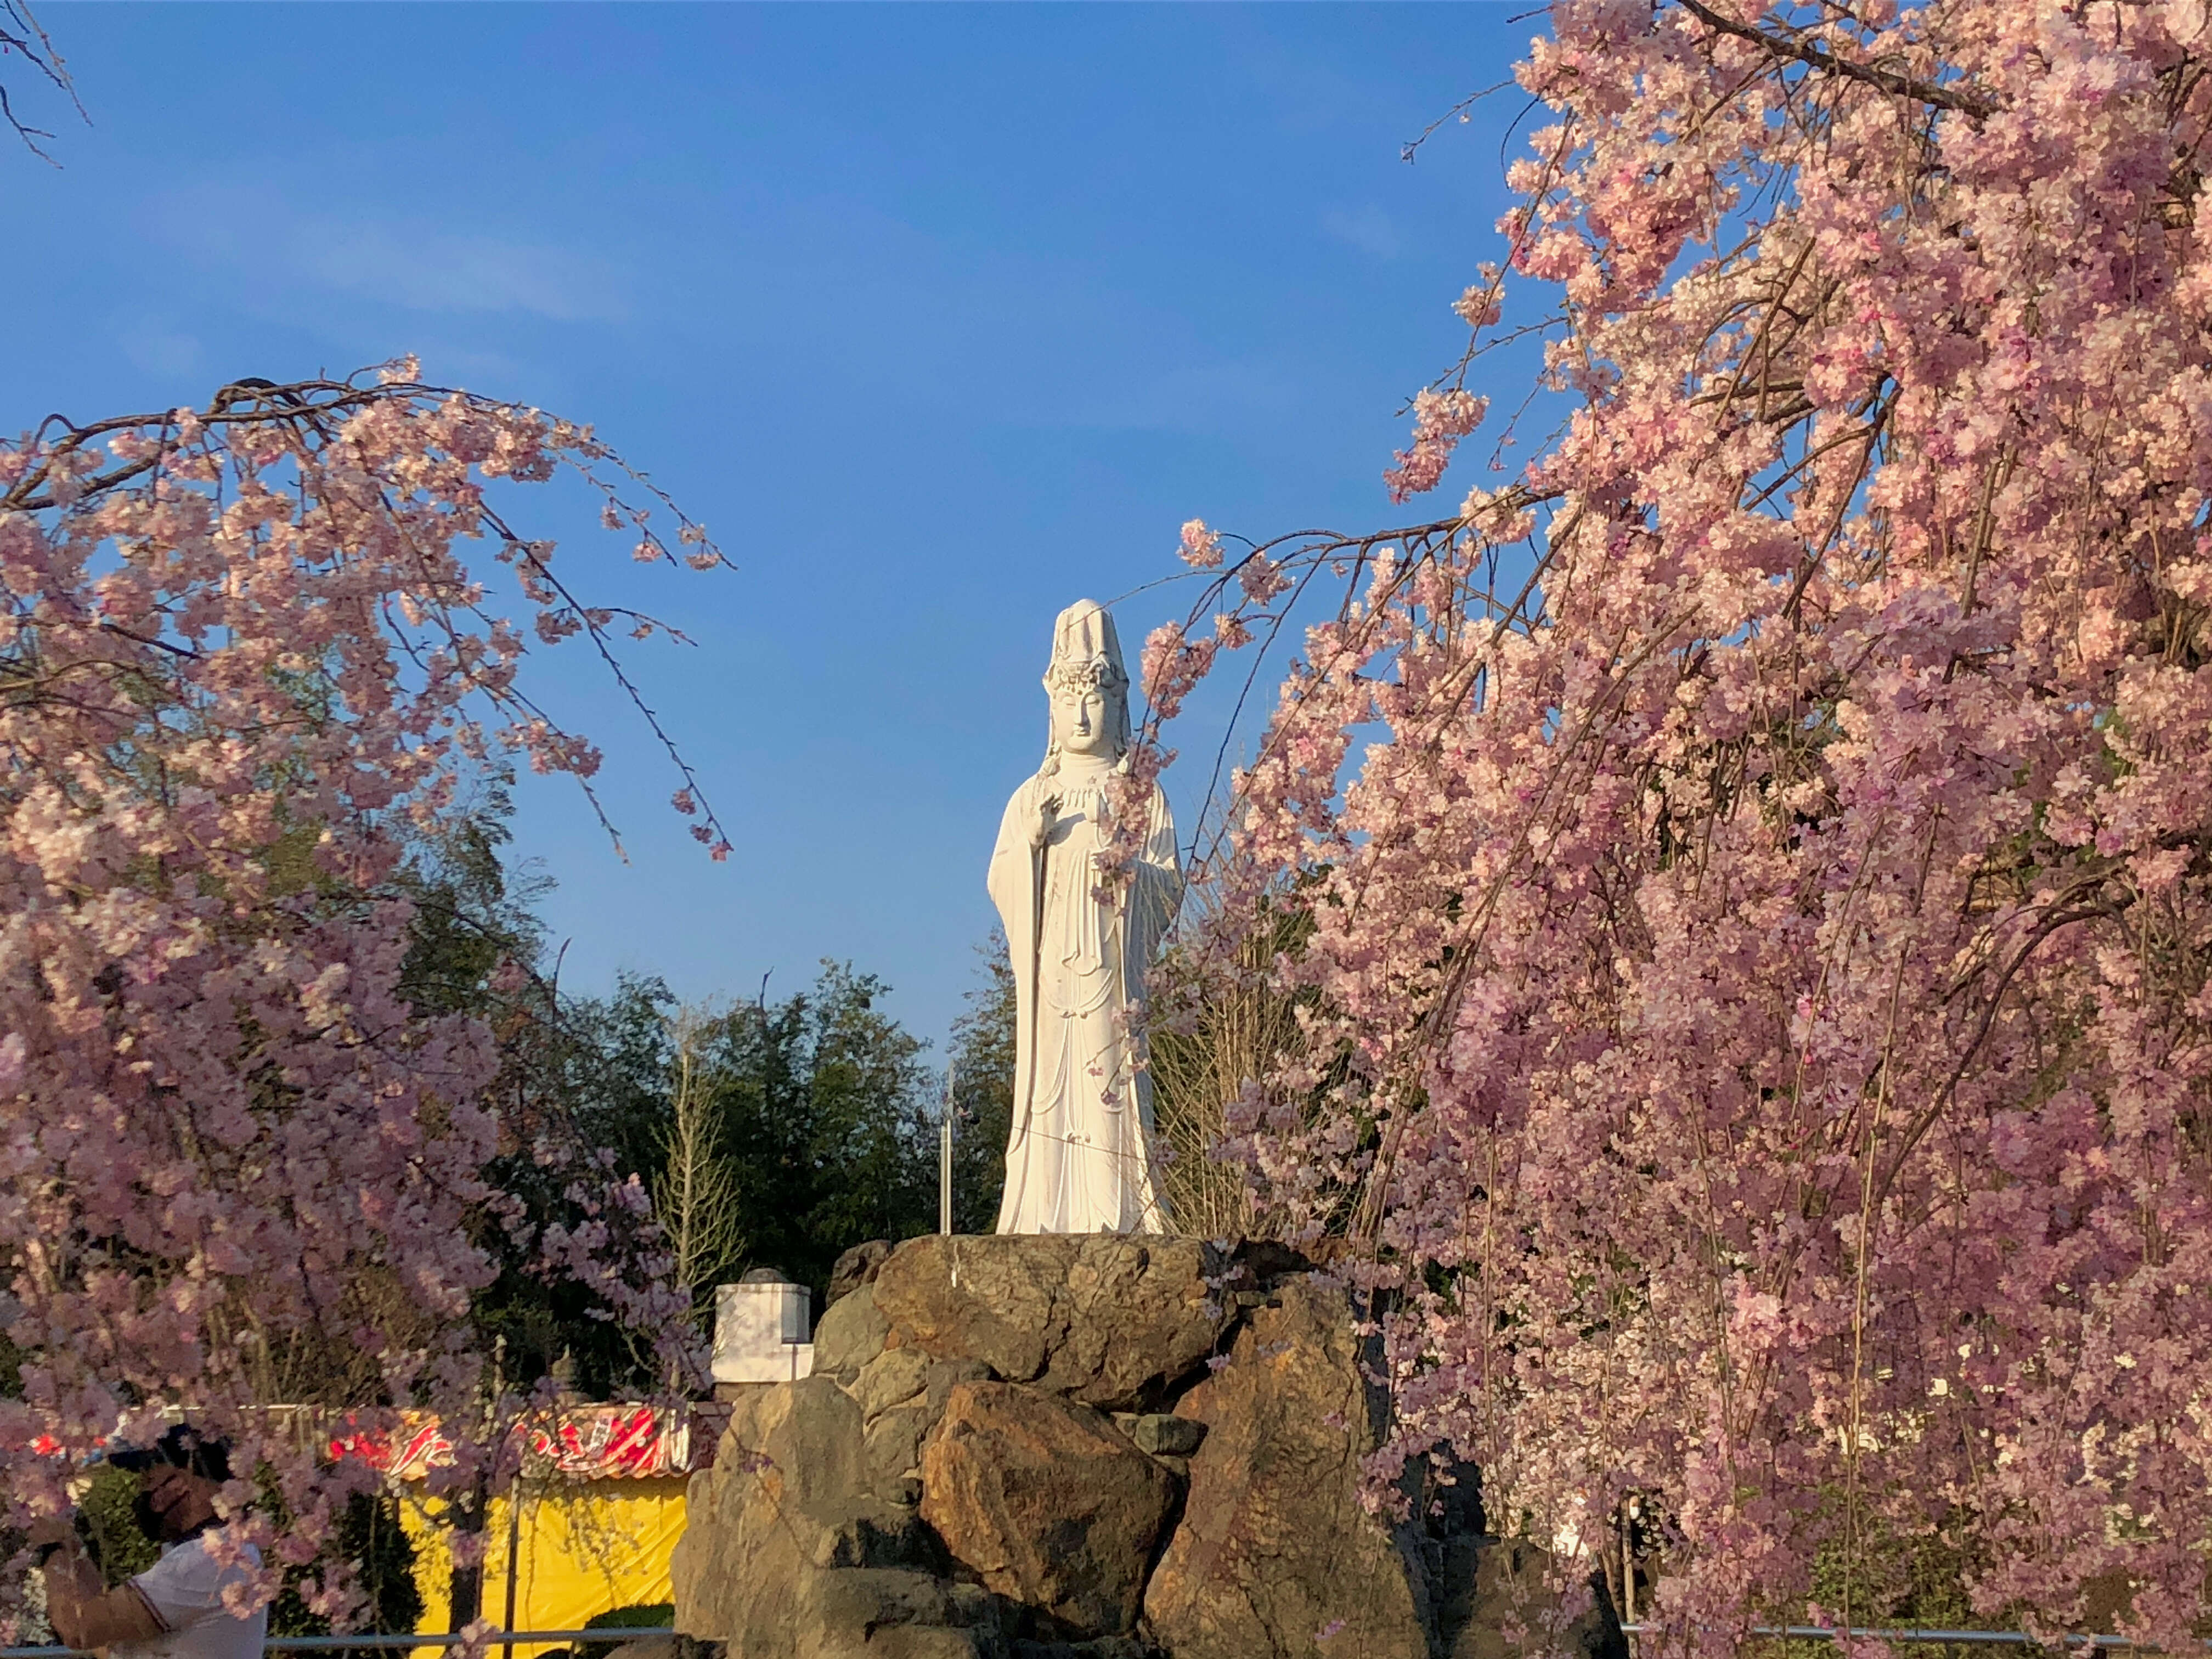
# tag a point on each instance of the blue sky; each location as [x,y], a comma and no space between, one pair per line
[940,318]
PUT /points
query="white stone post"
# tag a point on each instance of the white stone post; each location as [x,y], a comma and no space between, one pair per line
[762,1327]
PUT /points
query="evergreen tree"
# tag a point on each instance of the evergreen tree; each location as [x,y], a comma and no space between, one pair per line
[826,1105]
[983,1091]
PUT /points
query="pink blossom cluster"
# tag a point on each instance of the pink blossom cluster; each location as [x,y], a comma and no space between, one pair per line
[1201,548]
[242,651]
[1441,419]
[1757,1003]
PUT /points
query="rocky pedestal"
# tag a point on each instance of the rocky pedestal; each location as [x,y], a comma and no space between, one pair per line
[1275,1544]
[1093,1447]
[1048,1503]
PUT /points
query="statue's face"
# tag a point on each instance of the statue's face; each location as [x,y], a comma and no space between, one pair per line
[1085,718]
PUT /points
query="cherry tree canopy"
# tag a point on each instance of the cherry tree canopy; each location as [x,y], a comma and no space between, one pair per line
[241,655]
[1756,992]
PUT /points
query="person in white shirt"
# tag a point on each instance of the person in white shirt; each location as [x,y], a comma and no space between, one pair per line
[175,1609]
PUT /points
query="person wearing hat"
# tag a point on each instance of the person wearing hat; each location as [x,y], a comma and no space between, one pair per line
[175,1608]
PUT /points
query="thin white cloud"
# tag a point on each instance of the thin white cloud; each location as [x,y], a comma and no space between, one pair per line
[1367,228]
[414,264]
[154,349]
[1192,396]
[430,269]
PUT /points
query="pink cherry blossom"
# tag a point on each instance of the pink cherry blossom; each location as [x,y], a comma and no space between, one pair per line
[1756,1011]
[1201,548]
[1441,419]
[244,651]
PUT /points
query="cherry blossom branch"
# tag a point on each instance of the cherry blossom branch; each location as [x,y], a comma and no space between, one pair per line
[234,645]
[1819,58]
[1668,971]
[2058,918]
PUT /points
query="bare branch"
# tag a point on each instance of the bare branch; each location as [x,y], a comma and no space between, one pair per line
[21,36]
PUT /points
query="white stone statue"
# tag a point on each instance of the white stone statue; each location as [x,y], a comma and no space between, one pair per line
[1079,1158]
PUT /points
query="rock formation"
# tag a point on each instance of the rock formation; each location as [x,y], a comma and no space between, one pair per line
[1108,1319]
[1274,1543]
[1048,1503]
[1087,1447]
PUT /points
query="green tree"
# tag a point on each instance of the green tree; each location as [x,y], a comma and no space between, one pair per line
[582,1090]
[370,1536]
[983,1090]
[826,1116]
[816,1110]
[116,1532]
[814,1117]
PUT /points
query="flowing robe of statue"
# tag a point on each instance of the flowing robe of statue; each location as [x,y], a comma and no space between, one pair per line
[1078,1159]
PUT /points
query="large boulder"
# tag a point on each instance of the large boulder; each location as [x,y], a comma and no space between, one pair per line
[894,1448]
[1112,1321]
[1275,1551]
[889,1379]
[855,1268]
[892,1614]
[785,1530]
[850,1335]
[1046,1503]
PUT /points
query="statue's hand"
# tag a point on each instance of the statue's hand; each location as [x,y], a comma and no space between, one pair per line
[1047,814]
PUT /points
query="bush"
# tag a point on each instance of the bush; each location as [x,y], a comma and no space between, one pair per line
[650,1615]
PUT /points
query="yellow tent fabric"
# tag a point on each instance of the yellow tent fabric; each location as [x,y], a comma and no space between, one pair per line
[582,1547]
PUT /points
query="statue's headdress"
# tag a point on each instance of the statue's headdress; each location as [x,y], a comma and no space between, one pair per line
[1087,652]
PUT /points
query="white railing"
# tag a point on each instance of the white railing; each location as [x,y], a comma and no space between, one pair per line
[2013,1639]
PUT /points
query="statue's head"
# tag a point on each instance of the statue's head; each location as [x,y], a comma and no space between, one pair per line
[1088,687]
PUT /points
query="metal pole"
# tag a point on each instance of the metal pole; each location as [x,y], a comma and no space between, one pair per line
[514,1545]
[2011,1638]
[944,1152]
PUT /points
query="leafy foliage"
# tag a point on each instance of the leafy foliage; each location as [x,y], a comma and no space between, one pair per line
[1219,1024]
[983,1091]
[379,1556]
[115,1530]
[825,1104]
[648,1615]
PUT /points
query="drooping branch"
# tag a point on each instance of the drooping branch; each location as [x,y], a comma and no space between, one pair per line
[247,668]
[1631,1000]
[1819,58]
[21,36]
